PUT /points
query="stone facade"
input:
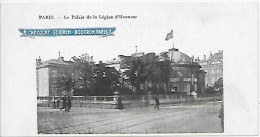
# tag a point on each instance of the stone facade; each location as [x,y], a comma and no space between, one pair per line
[186,75]
[213,66]
[50,75]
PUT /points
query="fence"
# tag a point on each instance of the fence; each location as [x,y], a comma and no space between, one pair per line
[128,101]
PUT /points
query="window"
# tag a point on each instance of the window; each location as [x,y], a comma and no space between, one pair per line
[212,71]
[54,82]
[63,75]
[54,73]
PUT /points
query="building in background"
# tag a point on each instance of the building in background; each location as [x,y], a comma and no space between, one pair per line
[140,73]
[213,66]
[113,63]
[137,54]
[51,75]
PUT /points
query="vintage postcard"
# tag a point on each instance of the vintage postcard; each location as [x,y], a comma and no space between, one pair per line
[124,68]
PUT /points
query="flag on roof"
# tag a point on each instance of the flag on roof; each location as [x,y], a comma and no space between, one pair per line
[169,35]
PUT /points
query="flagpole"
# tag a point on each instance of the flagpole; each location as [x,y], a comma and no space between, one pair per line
[172,40]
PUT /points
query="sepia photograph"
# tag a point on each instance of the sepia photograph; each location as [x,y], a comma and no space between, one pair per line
[140,93]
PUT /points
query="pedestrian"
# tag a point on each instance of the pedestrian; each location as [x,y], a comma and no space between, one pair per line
[58,103]
[221,116]
[194,95]
[120,103]
[64,103]
[68,103]
[157,103]
[54,103]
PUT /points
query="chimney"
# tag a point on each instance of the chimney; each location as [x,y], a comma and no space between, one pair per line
[211,54]
[204,57]
[60,58]
[192,58]
[38,61]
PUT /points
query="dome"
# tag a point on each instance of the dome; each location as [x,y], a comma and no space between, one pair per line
[178,57]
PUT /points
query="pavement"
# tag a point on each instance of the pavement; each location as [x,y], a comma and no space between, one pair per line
[181,118]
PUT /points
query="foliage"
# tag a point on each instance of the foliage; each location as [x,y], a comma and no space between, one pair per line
[218,85]
[107,79]
[89,79]
[82,75]
[210,90]
[148,69]
[163,56]
[63,83]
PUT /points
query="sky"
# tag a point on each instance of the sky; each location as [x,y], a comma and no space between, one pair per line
[198,28]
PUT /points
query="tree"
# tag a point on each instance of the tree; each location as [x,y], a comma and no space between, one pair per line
[218,85]
[148,68]
[144,70]
[136,76]
[165,68]
[63,83]
[164,72]
[107,79]
[82,75]
[210,90]
[163,56]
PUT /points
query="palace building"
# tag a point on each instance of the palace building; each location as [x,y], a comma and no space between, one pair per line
[185,75]
[213,66]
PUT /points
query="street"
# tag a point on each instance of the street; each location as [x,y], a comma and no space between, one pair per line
[181,118]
